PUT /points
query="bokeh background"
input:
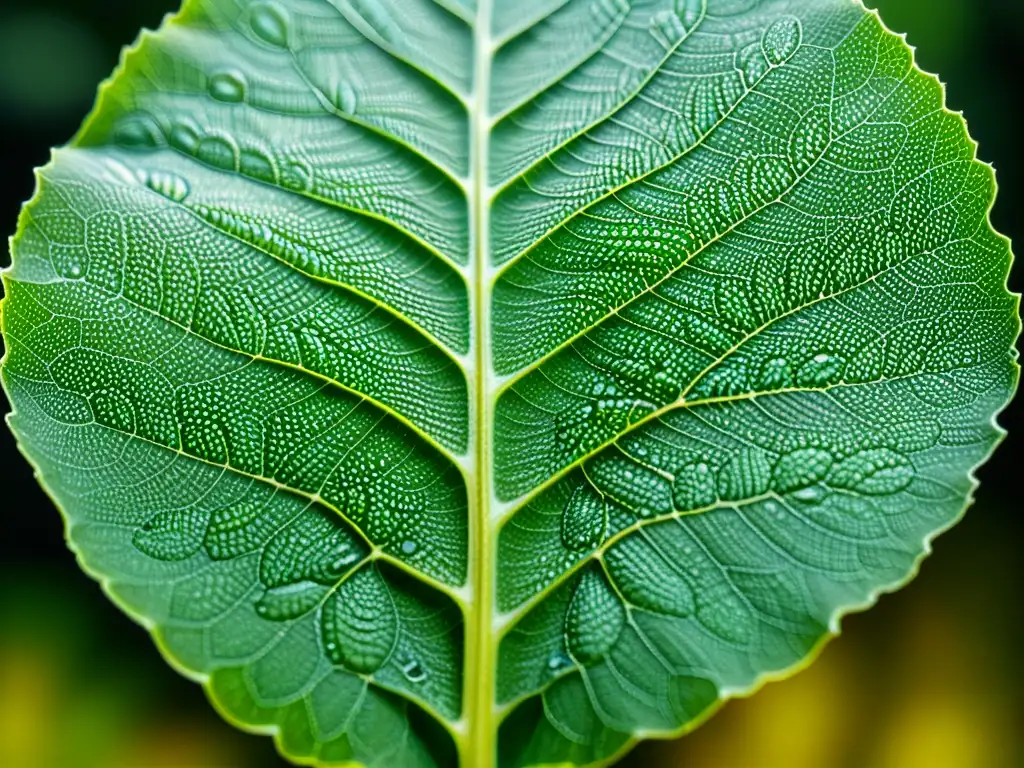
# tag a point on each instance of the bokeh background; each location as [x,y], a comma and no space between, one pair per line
[930,678]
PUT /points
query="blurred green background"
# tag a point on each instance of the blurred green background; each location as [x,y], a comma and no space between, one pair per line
[930,678]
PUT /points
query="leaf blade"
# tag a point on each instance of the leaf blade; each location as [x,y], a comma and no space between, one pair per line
[784,411]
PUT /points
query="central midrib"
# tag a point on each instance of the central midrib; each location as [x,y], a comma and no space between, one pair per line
[478,737]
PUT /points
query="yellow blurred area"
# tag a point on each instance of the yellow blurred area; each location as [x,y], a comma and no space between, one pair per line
[917,685]
[46,721]
[67,702]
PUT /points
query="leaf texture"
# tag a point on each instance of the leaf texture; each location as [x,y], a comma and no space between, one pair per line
[499,383]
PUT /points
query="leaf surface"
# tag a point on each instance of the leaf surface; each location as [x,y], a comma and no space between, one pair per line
[449,382]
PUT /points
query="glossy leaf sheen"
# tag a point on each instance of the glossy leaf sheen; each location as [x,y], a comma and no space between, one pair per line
[450,382]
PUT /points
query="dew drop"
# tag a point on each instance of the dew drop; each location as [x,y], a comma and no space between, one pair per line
[360,619]
[257,165]
[800,469]
[876,472]
[413,672]
[185,138]
[781,39]
[584,520]
[298,175]
[138,131]
[218,152]
[810,139]
[695,486]
[689,11]
[595,618]
[346,98]
[170,185]
[667,28]
[752,63]
[291,600]
[820,370]
[228,87]
[559,661]
[810,495]
[776,374]
[610,9]
[269,23]
[747,473]
[408,546]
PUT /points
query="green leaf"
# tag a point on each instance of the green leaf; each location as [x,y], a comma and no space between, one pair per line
[504,382]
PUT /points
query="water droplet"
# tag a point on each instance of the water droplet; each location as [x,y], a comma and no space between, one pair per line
[138,131]
[667,28]
[170,185]
[781,39]
[584,520]
[346,98]
[291,600]
[609,10]
[269,23]
[910,436]
[813,494]
[559,661]
[821,370]
[649,576]
[747,474]
[218,152]
[594,619]
[728,617]
[228,86]
[810,139]
[298,175]
[360,620]
[801,468]
[414,672]
[257,165]
[876,472]
[174,534]
[638,487]
[689,11]
[695,486]
[408,546]
[185,138]
[752,63]
[776,374]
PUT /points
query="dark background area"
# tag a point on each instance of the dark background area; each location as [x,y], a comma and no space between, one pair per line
[930,677]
